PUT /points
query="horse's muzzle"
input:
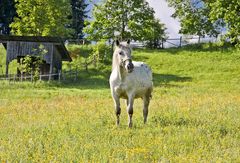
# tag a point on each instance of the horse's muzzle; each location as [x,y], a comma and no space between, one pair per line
[130,67]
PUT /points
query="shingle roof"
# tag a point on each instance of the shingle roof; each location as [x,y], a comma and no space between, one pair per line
[56,41]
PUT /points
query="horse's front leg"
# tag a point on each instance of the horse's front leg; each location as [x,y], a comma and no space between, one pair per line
[117,107]
[130,110]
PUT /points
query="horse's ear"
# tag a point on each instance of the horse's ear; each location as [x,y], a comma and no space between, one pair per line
[117,42]
[128,41]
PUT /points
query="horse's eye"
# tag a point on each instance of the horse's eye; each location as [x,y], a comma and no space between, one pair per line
[120,53]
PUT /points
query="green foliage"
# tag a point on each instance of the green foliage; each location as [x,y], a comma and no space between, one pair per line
[193,116]
[102,54]
[123,19]
[41,18]
[30,64]
[156,34]
[7,12]
[2,60]
[25,65]
[79,14]
[228,12]
[209,17]
[194,18]
[82,56]
[98,55]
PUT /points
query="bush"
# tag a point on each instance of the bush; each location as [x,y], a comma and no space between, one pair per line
[98,55]
[102,54]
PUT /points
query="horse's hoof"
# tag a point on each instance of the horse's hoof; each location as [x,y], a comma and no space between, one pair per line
[118,122]
[130,125]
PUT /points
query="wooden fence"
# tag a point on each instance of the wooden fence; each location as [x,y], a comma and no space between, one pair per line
[61,76]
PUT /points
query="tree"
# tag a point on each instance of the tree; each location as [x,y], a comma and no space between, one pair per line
[79,14]
[156,34]
[30,65]
[7,12]
[229,13]
[125,19]
[41,18]
[194,18]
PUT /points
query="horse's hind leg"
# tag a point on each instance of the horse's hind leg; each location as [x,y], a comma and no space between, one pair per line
[146,100]
[117,108]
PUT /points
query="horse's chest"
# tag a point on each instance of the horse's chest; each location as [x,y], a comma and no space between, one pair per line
[122,90]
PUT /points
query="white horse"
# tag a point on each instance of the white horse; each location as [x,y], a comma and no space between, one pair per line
[129,80]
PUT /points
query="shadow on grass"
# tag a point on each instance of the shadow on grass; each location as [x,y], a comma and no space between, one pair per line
[164,79]
[93,79]
[99,80]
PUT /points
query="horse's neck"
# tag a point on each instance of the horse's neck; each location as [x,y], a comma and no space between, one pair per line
[120,70]
[114,62]
[121,73]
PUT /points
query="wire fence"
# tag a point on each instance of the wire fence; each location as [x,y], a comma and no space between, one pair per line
[178,42]
[183,41]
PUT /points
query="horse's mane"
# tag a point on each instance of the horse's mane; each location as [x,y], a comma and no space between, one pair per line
[114,59]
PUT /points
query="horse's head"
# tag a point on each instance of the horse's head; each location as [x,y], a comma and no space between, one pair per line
[123,55]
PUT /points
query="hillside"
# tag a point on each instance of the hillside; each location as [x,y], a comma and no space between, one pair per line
[194,113]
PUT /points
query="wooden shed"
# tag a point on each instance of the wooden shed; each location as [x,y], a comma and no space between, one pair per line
[20,46]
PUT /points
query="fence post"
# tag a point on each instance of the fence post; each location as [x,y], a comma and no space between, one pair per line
[63,75]
[75,79]
[59,76]
[31,77]
[7,64]
[77,72]
[14,78]
[180,45]
[162,43]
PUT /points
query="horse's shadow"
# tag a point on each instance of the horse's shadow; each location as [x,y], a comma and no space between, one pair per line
[99,80]
[166,79]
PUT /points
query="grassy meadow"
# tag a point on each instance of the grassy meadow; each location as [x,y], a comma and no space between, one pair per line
[194,114]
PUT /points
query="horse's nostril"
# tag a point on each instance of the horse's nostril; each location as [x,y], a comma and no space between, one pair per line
[130,66]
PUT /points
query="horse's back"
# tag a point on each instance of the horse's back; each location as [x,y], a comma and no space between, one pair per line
[141,77]
[143,69]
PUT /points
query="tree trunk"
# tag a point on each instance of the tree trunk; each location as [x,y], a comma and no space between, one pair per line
[123,22]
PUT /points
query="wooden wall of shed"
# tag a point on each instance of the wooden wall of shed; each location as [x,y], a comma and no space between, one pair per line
[57,58]
[52,57]
[15,49]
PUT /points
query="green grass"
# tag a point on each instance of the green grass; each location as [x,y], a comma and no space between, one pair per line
[194,114]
